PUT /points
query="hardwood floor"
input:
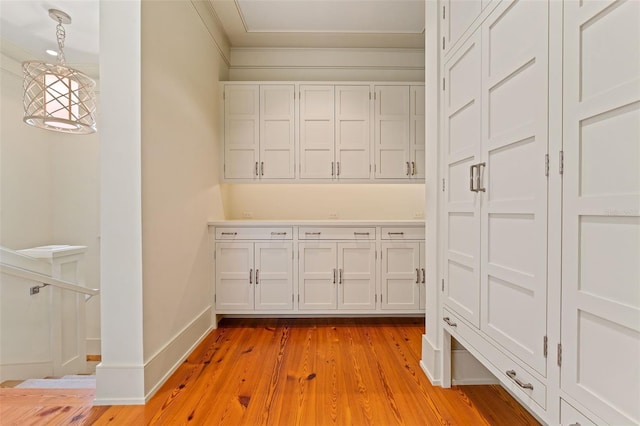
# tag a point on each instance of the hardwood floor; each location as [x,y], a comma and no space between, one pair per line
[288,372]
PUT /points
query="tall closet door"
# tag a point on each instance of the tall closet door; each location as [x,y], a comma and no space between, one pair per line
[277,131]
[462,136]
[317,131]
[241,131]
[353,146]
[601,208]
[392,132]
[514,146]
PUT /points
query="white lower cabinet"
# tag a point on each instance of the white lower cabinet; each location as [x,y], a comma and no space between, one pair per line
[337,275]
[402,275]
[254,276]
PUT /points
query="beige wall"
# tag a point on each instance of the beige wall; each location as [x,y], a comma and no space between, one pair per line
[181,68]
[324,201]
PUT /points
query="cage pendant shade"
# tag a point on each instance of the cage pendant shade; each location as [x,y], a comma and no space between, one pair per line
[58,98]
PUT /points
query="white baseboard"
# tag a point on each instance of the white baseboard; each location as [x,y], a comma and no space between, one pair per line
[430,362]
[119,385]
[165,362]
[26,370]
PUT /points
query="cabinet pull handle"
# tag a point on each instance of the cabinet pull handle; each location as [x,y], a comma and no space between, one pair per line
[262,168]
[337,168]
[408,169]
[575,424]
[448,321]
[360,233]
[257,280]
[423,277]
[479,187]
[278,233]
[333,168]
[312,233]
[395,233]
[250,276]
[413,168]
[334,275]
[471,176]
[340,276]
[229,233]
[256,168]
[417,276]
[512,376]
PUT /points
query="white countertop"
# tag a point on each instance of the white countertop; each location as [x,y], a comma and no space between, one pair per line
[327,222]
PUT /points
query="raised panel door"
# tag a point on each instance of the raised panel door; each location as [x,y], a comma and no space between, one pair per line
[601,208]
[241,131]
[317,132]
[401,276]
[353,145]
[461,106]
[273,276]
[356,275]
[317,276]
[514,202]
[458,15]
[416,132]
[234,276]
[277,132]
[391,132]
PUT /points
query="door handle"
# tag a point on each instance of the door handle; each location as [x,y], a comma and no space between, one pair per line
[340,276]
[257,272]
[408,169]
[250,276]
[262,168]
[334,275]
[338,168]
[333,172]
[413,168]
[257,173]
[479,186]
[471,177]
[423,277]
[512,376]
[417,276]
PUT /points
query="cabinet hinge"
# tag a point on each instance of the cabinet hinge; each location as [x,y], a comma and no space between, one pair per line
[215,298]
[544,346]
[292,298]
[298,298]
[369,168]
[546,165]
[369,95]
[224,95]
[376,254]
[214,255]
[442,43]
[443,84]
[561,162]
[559,354]
[443,285]
[442,185]
[376,298]
[444,14]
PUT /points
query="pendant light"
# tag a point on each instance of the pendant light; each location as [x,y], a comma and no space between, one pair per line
[58,97]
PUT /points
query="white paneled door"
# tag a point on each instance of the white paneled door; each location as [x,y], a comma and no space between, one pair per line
[318,275]
[513,179]
[601,208]
[416,132]
[241,131]
[317,130]
[234,276]
[401,275]
[352,109]
[277,132]
[356,275]
[273,276]
[391,134]
[461,107]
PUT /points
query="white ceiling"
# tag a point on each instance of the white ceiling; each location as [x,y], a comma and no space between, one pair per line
[27,30]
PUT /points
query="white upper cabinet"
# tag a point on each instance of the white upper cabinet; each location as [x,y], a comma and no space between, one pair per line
[352,109]
[259,132]
[601,209]
[334,132]
[325,133]
[457,18]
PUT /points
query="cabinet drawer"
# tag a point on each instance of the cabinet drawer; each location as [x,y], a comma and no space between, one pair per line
[284,233]
[569,416]
[336,233]
[511,374]
[402,233]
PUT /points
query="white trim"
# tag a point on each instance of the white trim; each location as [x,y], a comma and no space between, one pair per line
[212,22]
[119,385]
[161,365]
[430,361]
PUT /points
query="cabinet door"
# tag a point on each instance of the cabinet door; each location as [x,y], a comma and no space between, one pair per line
[400,276]
[353,144]
[273,276]
[601,209]
[423,280]
[317,158]
[458,15]
[234,276]
[356,275]
[416,132]
[514,204]
[241,131]
[462,137]
[317,275]
[392,132]
[277,131]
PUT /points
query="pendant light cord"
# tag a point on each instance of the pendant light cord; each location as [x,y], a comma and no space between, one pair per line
[60,35]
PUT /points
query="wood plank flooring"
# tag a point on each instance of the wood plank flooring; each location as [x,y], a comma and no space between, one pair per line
[361,371]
